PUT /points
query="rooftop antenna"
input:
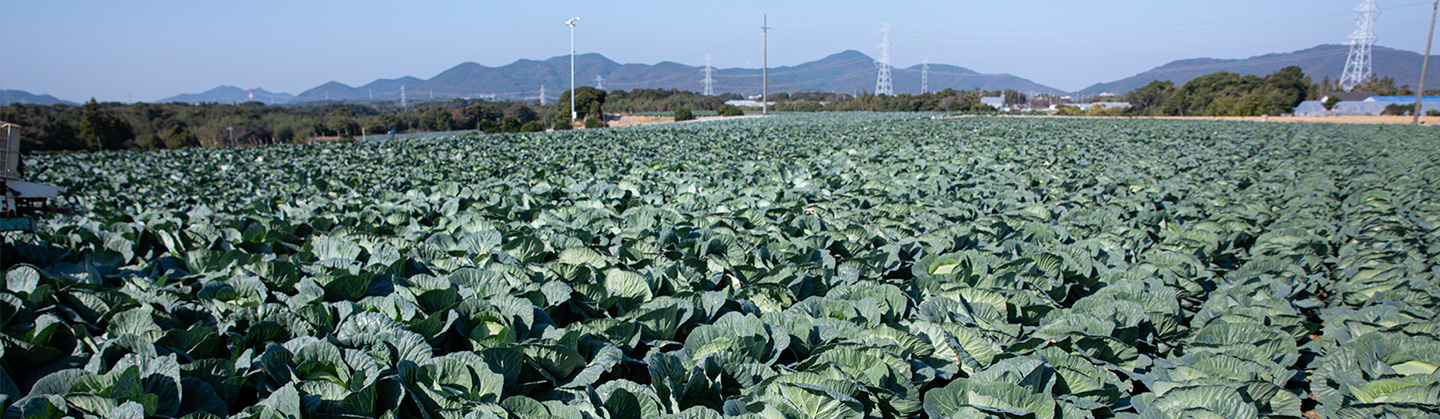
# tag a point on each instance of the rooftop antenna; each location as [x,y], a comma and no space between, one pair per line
[709,82]
[925,76]
[1358,63]
[765,72]
[882,81]
[571,23]
[599,82]
[1425,66]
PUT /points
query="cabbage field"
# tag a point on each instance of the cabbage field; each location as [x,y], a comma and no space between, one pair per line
[818,266]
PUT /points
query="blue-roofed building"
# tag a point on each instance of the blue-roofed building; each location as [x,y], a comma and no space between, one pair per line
[1427,100]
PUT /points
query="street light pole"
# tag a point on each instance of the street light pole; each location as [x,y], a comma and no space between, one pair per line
[571,24]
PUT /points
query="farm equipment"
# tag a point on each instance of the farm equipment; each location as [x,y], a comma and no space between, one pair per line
[23,200]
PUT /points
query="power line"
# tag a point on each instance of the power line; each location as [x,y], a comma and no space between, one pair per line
[1070,32]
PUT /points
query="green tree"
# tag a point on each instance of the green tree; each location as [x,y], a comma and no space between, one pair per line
[730,110]
[593,122]
[1331,102]
[343,126]
[1150,99]
[1013,97]
[683,114]
[102,131]
[522,113]
[436,119]
[589,102]
[54,134]
[533,126]
[1398,109]
[1282,91]
[285,134]
[510,124]
[1384,86]
[179,137]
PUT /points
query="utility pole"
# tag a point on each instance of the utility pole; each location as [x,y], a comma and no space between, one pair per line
[571,24]
[1425,65]
[765,72]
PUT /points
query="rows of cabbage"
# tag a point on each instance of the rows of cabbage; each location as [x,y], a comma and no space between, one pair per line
[835,266]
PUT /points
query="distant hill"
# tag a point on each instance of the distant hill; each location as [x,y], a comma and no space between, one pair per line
[383,89]
[845,72]
[230,94]
[1318,62]
[20,96]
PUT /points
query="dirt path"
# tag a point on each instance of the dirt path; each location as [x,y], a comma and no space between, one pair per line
[638,120]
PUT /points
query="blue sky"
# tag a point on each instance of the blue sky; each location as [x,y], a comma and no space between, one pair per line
[144,50]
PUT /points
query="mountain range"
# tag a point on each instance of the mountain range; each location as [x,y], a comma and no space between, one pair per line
[230,94]
[1318,62]
[844,72]
[20,96]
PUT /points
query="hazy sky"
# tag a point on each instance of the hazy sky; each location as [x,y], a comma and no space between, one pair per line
[145,50]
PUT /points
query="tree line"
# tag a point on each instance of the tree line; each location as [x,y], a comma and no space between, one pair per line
[114,126]
[1230,94]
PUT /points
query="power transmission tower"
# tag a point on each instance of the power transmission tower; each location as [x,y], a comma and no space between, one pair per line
[1358,63]
[925,76]
[882,81]
[402,97]
[599,82]
[709,82]
[542,94]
